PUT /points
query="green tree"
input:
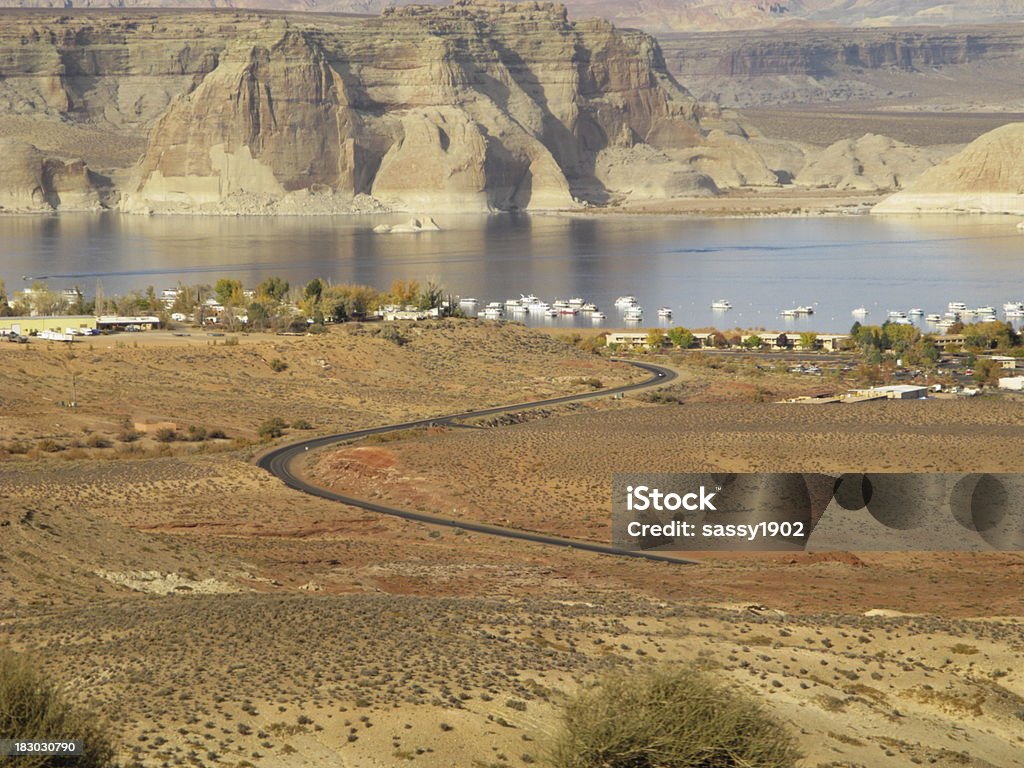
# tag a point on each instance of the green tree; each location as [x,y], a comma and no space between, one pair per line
[753,341]
[430,297]
[42,300]
[987,372]
[681,337]
[655,338]
[808,340]
[259,317]
[314,290]
[228,291]
[272,289]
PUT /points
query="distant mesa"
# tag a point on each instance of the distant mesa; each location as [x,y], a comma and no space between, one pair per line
[412,226]
[987,176]
[474,106]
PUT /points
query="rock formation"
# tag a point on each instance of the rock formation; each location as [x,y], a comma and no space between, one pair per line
[31,180]
[985,177]
[475,106]
[871,163]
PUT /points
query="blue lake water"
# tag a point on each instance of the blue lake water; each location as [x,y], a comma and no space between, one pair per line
[761,266]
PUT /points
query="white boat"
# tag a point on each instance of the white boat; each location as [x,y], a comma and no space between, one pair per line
[983,311]
[539,306]
[512,303]
[493,313]
[634,314]
[956,306]
[805,310]
[551,312]
[560,304]
[589,307]
[625,301]
[916,312]
[468,301]
[494,305]
[576,301]
[934,318]
[665,312]
[860,312]
[721,304]
[895,314]
[901,320]
[789,313]
[597,316]
[1012,306]
[1015,312]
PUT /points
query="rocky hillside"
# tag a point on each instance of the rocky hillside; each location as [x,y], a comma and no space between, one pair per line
[962,65]
[652,15]
[986,177]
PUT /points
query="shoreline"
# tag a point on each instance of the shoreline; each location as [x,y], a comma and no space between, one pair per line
[750,202]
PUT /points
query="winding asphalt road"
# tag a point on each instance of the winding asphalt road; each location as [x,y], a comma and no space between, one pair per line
[279,463]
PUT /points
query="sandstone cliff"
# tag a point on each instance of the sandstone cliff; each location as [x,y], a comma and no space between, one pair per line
[985,177]
[474,106]
[31,180]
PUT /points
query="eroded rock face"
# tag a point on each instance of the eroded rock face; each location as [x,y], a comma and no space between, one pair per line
[31,180]
[870,163]
[474,106]
[987,176]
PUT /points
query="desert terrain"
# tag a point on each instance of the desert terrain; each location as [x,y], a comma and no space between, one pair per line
[291,630]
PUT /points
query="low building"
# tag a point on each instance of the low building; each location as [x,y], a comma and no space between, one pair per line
[899,391]
[391,312]
[833,342]
[1005,361]
[31,326]
[1012,383]
[127,322]
[627,338]
[950,340]
[771,339]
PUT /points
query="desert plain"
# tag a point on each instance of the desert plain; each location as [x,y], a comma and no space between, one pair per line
[214,616]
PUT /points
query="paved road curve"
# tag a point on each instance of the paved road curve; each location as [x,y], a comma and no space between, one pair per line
[279,462]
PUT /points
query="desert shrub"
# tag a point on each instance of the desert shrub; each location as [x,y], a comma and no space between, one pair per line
[392,334]
[97,441]
[272,428]
[301,424]
[216,434]
[670,718]
[49,445]
[165,435]
[591,381]
[196,434]
[31,707]
[672,395]
[277,365]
